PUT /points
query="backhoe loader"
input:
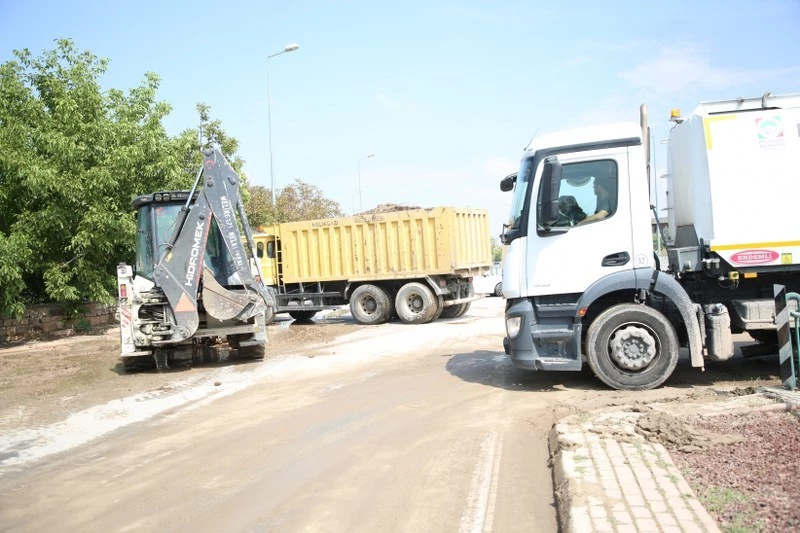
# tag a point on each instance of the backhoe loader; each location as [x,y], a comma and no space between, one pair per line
[195,282]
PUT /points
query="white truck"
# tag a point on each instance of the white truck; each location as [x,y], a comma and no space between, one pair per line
[580,275]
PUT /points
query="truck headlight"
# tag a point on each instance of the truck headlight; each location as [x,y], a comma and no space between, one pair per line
[513,325]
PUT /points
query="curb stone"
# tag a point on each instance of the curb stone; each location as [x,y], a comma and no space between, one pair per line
[608,478]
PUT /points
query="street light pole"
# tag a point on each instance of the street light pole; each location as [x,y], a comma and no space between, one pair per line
[360,199]
[287,48]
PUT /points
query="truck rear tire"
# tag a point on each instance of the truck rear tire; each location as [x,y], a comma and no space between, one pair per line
[415,303]
[451,311]
[463,308]
[632,347]
[370,304]
[439,308]
[302,316]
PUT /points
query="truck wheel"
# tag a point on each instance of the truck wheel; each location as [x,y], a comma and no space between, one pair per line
[498,290]
[632,347]
[415,303]
[463,308]
[302,316]
[370,304]
[439,308]
[452,311]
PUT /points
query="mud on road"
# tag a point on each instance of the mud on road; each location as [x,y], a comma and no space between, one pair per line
[44,381]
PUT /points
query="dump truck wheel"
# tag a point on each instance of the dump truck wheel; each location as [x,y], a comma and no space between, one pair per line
[439,308]
[370,304]
[463,308]
[632,347]
[415,303]
[302,316]
[452,311]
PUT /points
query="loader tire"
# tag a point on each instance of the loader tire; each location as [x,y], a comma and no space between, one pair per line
[302,316]
[252,352]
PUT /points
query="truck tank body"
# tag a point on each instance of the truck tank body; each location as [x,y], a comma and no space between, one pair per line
[733,180]
[394,245]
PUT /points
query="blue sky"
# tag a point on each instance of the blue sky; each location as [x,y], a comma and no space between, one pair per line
[445,94]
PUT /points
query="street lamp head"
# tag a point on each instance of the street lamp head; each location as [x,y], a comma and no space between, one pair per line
[371,155]
[291,47]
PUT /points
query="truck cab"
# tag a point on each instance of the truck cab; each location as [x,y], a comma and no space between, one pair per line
[580,275]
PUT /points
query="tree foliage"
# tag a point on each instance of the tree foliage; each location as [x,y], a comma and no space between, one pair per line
[298,201]
[71,159]
[73,156]
[497,250]
[303,201]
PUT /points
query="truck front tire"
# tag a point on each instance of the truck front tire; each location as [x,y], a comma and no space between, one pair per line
[370,304]
[632,347]
[415,303]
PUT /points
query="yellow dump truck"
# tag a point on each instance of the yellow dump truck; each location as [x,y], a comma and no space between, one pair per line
[416,264]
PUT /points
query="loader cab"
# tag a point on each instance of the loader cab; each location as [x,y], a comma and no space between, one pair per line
[155,219]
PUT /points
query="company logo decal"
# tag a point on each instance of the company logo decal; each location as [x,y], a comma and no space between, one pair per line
[754,257]
[770,132]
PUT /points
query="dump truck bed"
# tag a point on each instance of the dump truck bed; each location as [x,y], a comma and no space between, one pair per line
[396,245]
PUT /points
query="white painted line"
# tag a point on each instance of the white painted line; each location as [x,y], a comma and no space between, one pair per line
[482,488]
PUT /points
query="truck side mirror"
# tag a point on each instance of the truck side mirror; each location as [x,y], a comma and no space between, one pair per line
[507,183]
[548,198]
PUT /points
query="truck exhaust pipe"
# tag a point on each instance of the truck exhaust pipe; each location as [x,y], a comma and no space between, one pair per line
[645,138]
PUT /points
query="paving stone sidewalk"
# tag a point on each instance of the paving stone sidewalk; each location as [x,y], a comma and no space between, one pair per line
[609,478]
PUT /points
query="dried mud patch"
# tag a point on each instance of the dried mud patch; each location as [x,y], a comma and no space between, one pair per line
[674,432]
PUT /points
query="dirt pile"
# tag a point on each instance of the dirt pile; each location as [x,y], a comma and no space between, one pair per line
[675,433]
[389,208]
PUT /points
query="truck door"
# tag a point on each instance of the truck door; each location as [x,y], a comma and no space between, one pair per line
[266,253]
[593,235]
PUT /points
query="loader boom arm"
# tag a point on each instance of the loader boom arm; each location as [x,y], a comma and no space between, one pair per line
[181,270]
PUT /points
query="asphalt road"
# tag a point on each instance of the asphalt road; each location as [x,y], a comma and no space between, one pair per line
[387,428]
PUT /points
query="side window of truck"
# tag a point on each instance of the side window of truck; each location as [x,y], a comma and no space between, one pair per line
[260,249]
[587,192]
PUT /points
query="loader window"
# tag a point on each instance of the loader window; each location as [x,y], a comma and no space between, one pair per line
[144,244]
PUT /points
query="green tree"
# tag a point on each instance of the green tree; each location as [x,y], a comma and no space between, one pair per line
[497,250]
[259,207]
[71,158]
[207,134]
[303,201]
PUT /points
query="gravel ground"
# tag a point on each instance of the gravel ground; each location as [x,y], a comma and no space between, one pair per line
[748,477]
